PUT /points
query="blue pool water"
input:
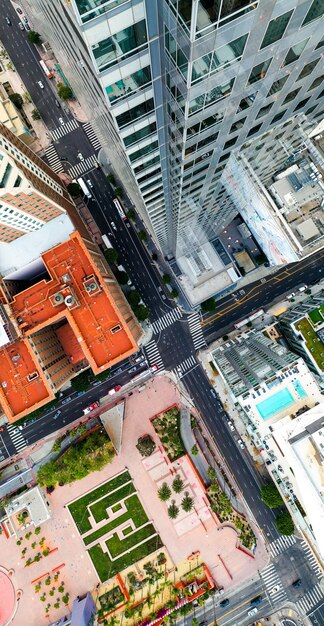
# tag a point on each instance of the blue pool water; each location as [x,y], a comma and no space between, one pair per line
[299,389]
[277,402]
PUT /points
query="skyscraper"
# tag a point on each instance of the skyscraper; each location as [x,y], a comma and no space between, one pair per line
[174,86]
[61,309]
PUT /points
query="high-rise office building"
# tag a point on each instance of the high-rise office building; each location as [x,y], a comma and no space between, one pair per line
[173,87]
[61,309]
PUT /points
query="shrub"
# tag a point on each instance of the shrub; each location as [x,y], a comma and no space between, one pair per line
[74,189]
[48,581]
[17,100]
[119,192]
[131,214]
[142,235]
[61,588]
[174,293]
[208,305]
[284,523]
[194,450]
[33,36]
[177,484]
[164,492]
[46,552]
[37,530]
[146,445]
[64,91]
[57,445]
[111,255]
[81,381]
[166,279]
[271,496]
[35,114]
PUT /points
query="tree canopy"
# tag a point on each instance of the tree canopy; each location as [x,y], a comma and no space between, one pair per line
[122,278]
[271,496]
[17,100]
[111,255]
[85,456]
[36,115]
[33,36]
[64,91]
[284,523]
[81,381]
[74,189]
[142,312]
[208,305]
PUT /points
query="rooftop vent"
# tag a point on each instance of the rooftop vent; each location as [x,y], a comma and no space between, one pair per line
[92,285]
[57,299]
[32,376]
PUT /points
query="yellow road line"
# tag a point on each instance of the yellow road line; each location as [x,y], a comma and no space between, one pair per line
[285,273]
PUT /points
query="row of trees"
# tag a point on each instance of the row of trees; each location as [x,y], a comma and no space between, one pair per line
[133,297]
[273,500]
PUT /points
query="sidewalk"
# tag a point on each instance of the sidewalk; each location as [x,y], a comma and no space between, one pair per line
[189,441]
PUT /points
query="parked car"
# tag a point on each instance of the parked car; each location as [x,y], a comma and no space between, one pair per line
[241,444]
[57,104]
[40,84]
[114,390]
[252,611]
[90,408]
[231,425]
[89,183]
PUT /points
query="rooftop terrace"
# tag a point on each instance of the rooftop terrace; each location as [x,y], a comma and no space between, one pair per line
[313,342]
[78,293]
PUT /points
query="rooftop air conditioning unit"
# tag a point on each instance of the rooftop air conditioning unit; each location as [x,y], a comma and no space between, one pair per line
[58,298]
[69,301]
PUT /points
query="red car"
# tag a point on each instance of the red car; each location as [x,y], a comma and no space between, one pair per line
[114,390]
[90,408]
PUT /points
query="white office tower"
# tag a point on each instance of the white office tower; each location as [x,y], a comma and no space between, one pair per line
[173,87]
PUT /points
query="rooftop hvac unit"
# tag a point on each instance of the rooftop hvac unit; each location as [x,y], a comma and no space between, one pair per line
[91,287]
[69,301]
[57,299]
[15,358]
[32,376]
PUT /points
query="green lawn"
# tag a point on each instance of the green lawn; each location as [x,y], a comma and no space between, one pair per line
[98,509]
[78,509]
[117,546]
[134,511]
[316,316]
[313,342]
[107,568]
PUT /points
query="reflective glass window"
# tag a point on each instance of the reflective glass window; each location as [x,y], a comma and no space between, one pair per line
[315,11]
[254,130]
[182,9]
[210,97]
[120,46]
[211,11]
[316,83]
[133,114]
[125,86]
[143,151]
[291,96]
[247,102]
[139,134]
[302,104]
[259,71]
[237,125]
[320,43]
[265,110]
[294,53]
[147,164]
[225,55]
[307,69]
[277,85]
[276,29]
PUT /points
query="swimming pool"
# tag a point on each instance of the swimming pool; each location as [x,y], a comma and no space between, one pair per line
[277,402]
[299,388]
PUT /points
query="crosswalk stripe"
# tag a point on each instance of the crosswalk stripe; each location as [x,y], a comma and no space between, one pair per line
[16,438]
[153,355]
[83,167]
[281,544]
[166,320]
[53,159]
[310,599]
[312,559]
[271,579]
[92,136]
[184,367]
[196,331]
[65,129]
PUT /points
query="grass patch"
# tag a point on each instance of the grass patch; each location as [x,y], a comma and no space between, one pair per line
[127,530]
[116,508]
[78,509]
[316,316]
[107,568]
[117,546]
[167,426]
[134,511]
[98,509]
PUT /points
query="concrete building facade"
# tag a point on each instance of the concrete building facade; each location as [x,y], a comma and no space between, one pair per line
[176,86]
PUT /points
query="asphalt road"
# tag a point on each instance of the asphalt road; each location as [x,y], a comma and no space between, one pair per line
[174,342]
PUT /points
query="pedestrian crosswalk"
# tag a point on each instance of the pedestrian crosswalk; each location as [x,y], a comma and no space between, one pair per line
[166,320]
[53,159]
[16,437]
[184,367]
[312,560]
[196,331]
[153,355]
[65,129]
[273,584]
[92,136]
[281,544]
[310,599]
[83,167]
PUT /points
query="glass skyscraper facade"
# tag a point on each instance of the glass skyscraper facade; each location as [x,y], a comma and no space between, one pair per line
[173,87]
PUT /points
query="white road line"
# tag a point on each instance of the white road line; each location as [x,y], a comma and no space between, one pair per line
[65,129]
[83,167]
[92,136]
[53,159]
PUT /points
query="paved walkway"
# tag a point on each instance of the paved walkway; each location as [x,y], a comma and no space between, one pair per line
[189,441]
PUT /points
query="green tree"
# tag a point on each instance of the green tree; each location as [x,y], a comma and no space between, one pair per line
[122,278]
[74,189]
[284,523]
[208,305]
[36,115]
[271,496]
[211,473]
[133,298]
[37,530]
[173,510]
[111,255]
[81,381]
[119,192]
[33,36]
[142,235]
[57,445]
[64,91]
[187,502]
[164,492]
[174,293]
[166,279]
[145,445]
[142,313]
[27,97]
[111,179]
[177,484]
[194,450]
[17,100]
[131,214]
